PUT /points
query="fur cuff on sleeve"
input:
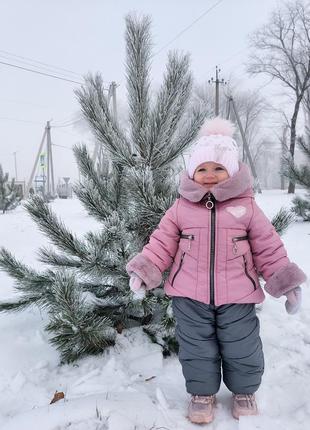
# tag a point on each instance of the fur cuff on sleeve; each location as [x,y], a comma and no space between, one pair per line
[146,270]
[284,280]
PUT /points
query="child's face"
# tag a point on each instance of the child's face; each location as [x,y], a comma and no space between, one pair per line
[208,174]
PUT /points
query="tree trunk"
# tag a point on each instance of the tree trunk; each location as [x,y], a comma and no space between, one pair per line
[291,186]
[283,147]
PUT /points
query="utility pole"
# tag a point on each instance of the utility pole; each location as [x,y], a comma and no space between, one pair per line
[35,164]
[245,143]
[217,83]
[114,105]
[49,164]
[15,163]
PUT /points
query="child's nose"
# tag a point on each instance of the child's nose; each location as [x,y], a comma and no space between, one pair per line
[210,174]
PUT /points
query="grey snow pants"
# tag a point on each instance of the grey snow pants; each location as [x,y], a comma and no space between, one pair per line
[214,338]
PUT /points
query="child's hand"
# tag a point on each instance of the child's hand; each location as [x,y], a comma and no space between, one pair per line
[137,286]
[293,302]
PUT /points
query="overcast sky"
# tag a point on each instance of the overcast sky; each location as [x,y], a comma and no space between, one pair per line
[88,35]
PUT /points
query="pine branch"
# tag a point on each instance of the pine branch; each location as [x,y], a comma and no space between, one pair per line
[186,136]
[305,145]
[300,175]
[170,106]
[34,287]
[75,330]
[282,220]
[138,80]
[9,197]
[53,228]
[148,206]
[92,202]
[301,207]
[95,109]
[50,257]
[105,188]
[18,305]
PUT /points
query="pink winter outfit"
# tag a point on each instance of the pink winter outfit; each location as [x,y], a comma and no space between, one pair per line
[216,254]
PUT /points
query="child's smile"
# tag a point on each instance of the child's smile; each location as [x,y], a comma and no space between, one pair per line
[209,173]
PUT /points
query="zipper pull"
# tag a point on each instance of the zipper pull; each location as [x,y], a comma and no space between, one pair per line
[209,202]
[235,247]
[190,238]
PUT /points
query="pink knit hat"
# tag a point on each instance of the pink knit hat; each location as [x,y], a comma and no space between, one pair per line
[215,143]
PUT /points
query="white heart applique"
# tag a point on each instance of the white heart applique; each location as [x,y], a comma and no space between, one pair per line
[236,211]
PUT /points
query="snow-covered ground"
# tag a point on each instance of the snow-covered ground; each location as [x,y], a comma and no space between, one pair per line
[131,387]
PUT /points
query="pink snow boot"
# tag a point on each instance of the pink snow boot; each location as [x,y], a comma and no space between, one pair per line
[201,409]
[244,404]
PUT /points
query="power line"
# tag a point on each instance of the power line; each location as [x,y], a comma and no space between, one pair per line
[40,62]
[34,67]
[66,125]
[19,120]
[189,26]
[63,121]
[62,146]
[49,66]
[40,73]
[227,59]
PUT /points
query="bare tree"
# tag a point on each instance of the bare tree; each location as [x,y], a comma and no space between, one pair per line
[281,50]
[252,109]
[204,94]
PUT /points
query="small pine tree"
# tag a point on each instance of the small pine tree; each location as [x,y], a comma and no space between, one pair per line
[85,289]
[301,176]
[9,196]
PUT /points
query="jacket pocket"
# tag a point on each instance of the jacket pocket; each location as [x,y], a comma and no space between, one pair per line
[179,268]
[247,274]
[189,242]
[235,241]
[238,244]
[189,238]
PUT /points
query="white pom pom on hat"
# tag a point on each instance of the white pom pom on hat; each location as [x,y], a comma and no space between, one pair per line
[215,143]
[217,126]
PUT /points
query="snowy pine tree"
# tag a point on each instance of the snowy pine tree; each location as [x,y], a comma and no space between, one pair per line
[301,176]
[9,196]
[85,287]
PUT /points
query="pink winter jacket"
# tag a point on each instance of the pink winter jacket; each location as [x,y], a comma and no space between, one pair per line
[216,255]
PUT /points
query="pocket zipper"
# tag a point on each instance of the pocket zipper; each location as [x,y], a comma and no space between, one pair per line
[247,273]
[190,237]
[237,239]
[179,268]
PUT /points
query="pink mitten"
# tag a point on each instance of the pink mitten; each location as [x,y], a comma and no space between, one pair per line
[137,286]
[293,302]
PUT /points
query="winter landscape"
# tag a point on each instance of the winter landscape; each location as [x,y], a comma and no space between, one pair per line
[79,350]
[131,386]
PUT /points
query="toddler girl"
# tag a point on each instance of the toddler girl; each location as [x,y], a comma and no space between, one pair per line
[217,241]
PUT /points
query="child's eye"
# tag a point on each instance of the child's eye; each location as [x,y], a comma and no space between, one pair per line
[219,168]
[201,170]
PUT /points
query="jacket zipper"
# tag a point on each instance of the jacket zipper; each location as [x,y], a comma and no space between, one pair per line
[179,268]
[210,204]
[247,273]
